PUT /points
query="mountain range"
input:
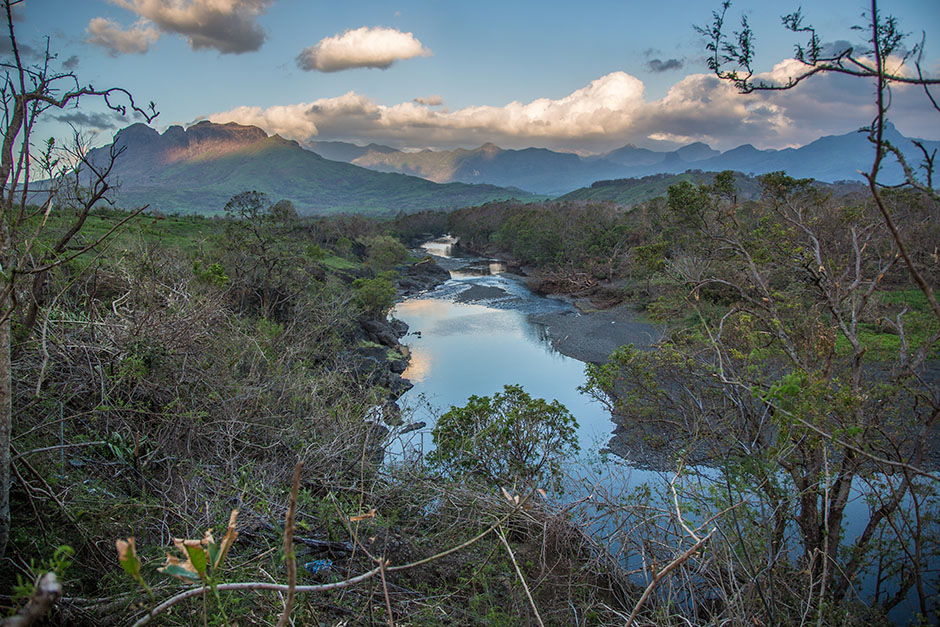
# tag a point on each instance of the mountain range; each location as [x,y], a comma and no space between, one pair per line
[198,169]
[830,159]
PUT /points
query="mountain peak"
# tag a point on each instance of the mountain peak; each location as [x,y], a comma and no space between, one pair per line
[230,131]
[204,139]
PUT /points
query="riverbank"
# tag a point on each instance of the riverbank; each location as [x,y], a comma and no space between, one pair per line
[592,336]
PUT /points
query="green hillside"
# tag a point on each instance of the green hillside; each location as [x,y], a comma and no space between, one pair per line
[200,169]
[636,190]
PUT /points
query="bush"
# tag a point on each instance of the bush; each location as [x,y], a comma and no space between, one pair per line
[509,438]
[376,296]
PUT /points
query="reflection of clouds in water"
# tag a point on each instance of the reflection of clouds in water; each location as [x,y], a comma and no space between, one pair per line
[488,322]
[426,307]
[419,366]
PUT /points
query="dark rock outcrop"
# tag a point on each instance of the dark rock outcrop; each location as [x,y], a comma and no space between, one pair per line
[421,277]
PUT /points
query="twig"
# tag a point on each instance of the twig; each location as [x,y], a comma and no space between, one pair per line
[657,577]
[525,586]
[255,585]
[289,547]
[46,593]
[388,602]
[57,447]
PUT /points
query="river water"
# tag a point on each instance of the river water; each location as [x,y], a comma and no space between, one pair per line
[476,333]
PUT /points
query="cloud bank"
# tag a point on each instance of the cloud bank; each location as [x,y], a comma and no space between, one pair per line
[228,26]
[372,47]
[607,113]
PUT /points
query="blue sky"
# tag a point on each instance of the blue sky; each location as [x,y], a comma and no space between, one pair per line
[580,77]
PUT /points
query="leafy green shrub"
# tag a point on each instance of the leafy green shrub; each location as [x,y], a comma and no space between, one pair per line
[385,252]
[213,274]
[376,296]
[504,439]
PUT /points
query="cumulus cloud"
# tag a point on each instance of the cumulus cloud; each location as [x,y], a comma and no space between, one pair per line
[658,65]
[594,111]
[229,26]
[116,40]
[375,47]
[430,101]
[605,114]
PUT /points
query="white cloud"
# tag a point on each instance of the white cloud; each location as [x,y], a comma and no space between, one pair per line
[229,26]
[109,35]
[375,47]
[607,113]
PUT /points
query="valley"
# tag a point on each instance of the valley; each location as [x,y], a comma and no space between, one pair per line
[469,314]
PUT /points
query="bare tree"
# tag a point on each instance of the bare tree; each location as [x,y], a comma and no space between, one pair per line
[779,386]
[731,58]
[68,183]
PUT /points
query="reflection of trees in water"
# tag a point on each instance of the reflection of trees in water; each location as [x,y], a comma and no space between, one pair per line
[538,333]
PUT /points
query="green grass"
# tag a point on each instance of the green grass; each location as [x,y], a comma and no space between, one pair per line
[339,263]
[882,341]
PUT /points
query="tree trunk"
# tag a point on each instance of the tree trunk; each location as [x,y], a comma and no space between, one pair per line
[6,428]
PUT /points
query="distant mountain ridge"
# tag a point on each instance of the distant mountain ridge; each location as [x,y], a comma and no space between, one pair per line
[538,170]
[631,191]
[198,169]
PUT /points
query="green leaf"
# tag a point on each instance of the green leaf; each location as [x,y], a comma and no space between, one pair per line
[197,556]
[127,556]
[179,572]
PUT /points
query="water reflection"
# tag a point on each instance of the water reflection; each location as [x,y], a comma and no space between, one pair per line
[461,349]
[419,366]
[482,268]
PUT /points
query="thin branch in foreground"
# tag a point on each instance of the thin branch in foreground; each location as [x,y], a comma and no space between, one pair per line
[657,577]
[289,547]
[339,585]
[502,538]
[47,592]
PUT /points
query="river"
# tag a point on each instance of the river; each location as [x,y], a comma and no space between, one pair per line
[480,331]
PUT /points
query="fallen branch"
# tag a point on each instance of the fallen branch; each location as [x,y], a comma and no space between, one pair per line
[657,577]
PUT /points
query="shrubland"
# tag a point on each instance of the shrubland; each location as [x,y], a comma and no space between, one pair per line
[181,370]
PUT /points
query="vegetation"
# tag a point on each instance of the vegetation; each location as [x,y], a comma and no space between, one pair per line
[509,439]
[161,388]
[161,375]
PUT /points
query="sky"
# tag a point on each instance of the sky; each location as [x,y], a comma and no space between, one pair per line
[585,77]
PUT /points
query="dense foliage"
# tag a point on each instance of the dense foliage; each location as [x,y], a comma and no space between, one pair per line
[182,371]
[509,439]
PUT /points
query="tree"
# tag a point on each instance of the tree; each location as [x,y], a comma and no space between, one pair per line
[786,384]
[73,186]
[731,59]
[254,230]
[507,439]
